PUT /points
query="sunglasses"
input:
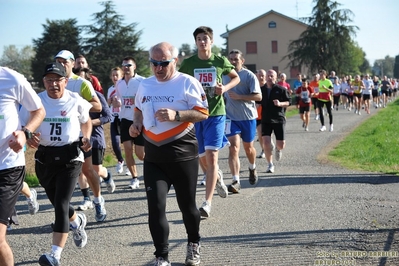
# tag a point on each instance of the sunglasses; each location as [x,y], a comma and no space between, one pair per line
[127,65]
[161,63]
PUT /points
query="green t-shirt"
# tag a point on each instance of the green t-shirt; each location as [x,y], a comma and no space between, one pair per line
[208,72]
[324,94]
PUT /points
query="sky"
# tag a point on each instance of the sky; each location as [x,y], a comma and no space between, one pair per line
[174,21]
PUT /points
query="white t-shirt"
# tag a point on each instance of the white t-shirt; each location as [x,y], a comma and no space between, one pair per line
[181,92]
[114,110]
[15,90]
[126,93]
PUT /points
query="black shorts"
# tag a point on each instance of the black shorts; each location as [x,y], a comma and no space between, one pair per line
[374,93]
[258,122]
[366,97]
[358,95]
[277,128]
[125,136]
[97,156]
[303,109]
[11,183]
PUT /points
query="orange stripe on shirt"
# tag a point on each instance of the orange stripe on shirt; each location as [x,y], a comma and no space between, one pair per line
[167,134]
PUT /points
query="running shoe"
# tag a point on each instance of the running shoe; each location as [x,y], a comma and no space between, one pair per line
[235,187]
[161,262]
[317,117]
[270,168]
[261,155]
[220,186]
[128,172]
[86,204]
[306,128]
[205,209]
[203,181]
[323,128]
[110,183]
[193,254]
[119,167]
[279,154]
[79,233]
[253,176]
[32,202]
[48,259]
[101,213]
[331,128]
[134,183]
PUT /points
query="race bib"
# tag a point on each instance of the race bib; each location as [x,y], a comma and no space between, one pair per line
[227,127]
[207,76]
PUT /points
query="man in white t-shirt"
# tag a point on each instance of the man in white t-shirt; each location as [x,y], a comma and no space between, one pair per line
[15,90]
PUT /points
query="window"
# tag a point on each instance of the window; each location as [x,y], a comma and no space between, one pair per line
[252,47]
[272,24]
[274,47]
[294,71]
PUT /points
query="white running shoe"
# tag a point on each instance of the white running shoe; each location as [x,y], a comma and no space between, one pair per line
[203,181]
[128,172]
[270,168]
[323,128]
[306,128]
[119,168]
[279,154]
[110,183]
[79,233]
[317,117]
[32,202]
[205,209]
[85,204]
[134,183]
[331,128]
[220,186]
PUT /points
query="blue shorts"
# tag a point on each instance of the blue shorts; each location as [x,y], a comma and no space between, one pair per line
[210,134]
[246,128]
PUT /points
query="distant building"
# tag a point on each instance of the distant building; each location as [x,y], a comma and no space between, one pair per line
[264,42]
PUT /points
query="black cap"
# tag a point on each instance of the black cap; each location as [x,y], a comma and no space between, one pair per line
[56,68]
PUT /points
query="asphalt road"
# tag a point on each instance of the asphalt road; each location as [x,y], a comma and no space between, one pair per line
[306,213]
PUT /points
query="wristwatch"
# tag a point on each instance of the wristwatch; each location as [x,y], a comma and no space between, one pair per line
[28,134]
[177,116]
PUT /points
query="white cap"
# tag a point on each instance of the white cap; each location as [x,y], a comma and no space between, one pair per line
[65,54]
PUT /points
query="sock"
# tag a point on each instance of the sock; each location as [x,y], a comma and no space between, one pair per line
[236,178]
[105,178]
[85,193]
[252,166]
[96,199]
[75,223]
[56,250]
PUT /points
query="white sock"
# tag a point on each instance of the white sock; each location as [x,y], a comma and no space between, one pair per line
[236,178]
[75,223]
[56,250]
[96,199]
[252,166]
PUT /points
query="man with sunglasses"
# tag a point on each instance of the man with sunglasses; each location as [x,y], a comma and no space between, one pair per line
[208,68]
[241,114]
[125,92]
[167,106]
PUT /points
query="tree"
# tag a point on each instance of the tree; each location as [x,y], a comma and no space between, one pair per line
[109,42]
[19,60]
[58,35]
[186,49]
[326,41]
[396,67]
